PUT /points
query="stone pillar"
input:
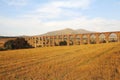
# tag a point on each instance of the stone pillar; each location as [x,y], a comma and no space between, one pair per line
[57,40]
[68,40]
[31,42]
[97,38]
[35,44]
[62,37]
[118,36]
[74,39]
[81,39]
[42,42]
[46,41]
[38,41]
[107,37]
[53,41]
[88,38]
[49,41]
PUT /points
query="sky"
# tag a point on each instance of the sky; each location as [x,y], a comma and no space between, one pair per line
[35,17]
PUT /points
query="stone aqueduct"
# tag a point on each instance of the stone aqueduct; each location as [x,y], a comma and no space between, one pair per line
[73,39]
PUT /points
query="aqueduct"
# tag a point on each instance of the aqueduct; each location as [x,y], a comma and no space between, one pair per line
[73,39]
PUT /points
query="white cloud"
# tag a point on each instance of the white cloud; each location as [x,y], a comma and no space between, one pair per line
[72,3]
[38,27]
[59,9]
[21,22]
[16,3]
[33,22]
[95,24]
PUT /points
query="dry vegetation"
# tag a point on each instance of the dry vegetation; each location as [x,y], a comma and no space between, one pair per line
[85,62]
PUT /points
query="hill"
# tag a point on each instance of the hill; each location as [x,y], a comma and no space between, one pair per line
[85,62]
[67,31]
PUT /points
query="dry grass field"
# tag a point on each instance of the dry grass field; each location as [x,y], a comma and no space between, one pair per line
[85,62]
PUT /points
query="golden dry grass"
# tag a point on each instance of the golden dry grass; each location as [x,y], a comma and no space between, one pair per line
[85,62]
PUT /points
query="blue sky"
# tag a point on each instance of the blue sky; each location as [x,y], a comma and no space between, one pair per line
[33,17]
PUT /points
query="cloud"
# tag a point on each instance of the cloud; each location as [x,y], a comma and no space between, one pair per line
[16,3]
[21,22]
[56,14]
[96,24]
[72,3]
[57,9]
[35,26]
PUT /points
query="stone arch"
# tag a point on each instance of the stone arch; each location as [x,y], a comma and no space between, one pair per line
[71,40]
[56,40]
[85,39]
[65,38]
[50,40]
[113,37]
[92,39]
[41,41]
[77,39]
[60,37]
[102,38]
[62,40]
[37,40]
[40,38]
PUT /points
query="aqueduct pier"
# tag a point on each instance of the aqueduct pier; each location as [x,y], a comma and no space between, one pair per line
[73,39]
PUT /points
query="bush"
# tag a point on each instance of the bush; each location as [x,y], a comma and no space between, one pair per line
[62,43]
[9,44]
[18,43]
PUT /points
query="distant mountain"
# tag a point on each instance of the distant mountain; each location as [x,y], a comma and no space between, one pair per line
[67,31]
[80,31]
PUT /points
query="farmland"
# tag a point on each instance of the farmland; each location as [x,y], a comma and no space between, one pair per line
[83,62]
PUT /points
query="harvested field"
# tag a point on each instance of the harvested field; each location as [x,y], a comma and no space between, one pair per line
[83,62]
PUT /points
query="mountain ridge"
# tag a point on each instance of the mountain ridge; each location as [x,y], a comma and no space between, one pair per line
[67,31]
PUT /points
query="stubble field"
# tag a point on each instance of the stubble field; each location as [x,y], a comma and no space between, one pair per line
[83,62]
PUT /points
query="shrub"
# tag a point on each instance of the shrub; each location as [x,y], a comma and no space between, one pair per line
[9,44]
[18,43]
[62,43]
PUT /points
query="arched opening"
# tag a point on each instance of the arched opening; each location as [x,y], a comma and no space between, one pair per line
[92,39]
[60,38]
[85,39]
[63,43]
[56,43]
[51,41]
[47,41]
[57,40]
[77,40]
[37,40]
[71,40]
[41,42]
[64,38]
[102,38]
[113,37]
